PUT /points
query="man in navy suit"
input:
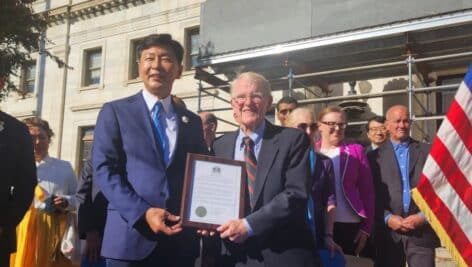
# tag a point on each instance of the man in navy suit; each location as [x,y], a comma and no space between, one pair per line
[139,152]
[274,231]
[18,179]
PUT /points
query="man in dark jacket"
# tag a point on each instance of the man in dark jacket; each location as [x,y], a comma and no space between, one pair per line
[17,182]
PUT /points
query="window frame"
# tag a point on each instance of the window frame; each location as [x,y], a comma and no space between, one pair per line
[87,69]
[24,80]
[189,54]
[133,68]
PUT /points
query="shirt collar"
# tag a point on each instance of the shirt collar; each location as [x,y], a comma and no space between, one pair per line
[151,100]
[399,145]
[255,136]
[43,161]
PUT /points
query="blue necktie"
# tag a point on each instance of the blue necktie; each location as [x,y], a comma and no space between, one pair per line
[311,203]
[158,127]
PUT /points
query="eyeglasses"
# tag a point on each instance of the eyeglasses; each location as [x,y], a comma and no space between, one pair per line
[333,124]
[378,129]
[303,126]
[255,97]
[285,111]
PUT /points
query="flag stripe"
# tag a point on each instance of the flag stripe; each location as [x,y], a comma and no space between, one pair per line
[452,172]
[459,120]
[445,193]
[447,221]
[456,147]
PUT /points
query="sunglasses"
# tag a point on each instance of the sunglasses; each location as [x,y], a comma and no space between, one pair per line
[304,126]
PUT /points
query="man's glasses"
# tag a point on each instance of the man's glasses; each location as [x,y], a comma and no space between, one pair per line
[333,124]
[378,129]
[255,97]
[304,126]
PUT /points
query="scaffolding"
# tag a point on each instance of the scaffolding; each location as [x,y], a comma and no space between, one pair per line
[410,62]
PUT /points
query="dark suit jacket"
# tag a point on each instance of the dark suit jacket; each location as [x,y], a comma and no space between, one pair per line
[93,204]
[18,178]
[323,191]
[281,234]
[388,187]
[130,171]
[367,148]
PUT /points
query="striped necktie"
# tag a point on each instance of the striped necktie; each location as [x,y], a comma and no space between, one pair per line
[160,132]
[251,167]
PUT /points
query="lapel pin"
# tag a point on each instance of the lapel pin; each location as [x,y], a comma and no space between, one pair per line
[184,119]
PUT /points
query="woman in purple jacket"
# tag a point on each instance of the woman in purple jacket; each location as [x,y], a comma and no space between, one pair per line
[353,182]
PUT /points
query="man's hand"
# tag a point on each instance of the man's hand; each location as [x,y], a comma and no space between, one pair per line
[332,246]
[360,239]
[60,203]
[413,222]
[395,223]
[93,243]
[235,230]
[159,220]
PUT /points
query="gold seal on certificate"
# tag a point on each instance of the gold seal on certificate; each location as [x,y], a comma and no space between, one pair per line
[213,193]
[201,211]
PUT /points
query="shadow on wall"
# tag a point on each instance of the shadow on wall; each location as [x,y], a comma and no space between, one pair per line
[395,84]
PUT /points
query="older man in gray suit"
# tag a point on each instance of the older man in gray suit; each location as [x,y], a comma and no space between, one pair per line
[274,231]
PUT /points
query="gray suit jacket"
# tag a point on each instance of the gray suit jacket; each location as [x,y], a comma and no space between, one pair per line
[388,187]
[281,234]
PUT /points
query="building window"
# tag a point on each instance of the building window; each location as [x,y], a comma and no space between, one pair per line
[444,99]
[133,59]
[192,47]
[28,78]
[86,139]
[93,66]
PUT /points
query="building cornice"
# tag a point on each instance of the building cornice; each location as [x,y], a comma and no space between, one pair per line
[90,9]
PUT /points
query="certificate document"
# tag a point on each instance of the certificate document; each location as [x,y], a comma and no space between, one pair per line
[214,191]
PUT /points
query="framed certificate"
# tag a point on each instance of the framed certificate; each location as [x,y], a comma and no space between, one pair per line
[214,191]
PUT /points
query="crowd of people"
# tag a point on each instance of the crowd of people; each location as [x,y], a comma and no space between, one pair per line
[308,189]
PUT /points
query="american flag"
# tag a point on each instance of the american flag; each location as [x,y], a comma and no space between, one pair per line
[444,193]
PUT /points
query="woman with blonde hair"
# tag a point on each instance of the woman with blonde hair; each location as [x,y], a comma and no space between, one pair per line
[353,182]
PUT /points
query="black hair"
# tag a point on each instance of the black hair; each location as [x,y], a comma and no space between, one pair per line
[379,119]
[161,40]
[287,100]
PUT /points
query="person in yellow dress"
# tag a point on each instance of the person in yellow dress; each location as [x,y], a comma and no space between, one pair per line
[40,233]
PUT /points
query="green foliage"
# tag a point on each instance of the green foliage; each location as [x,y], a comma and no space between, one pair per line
[21,31]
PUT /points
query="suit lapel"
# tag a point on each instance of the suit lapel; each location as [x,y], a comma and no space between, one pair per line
[413,157]
[181,130]
[229,144]
[139,105]
[266,158]
[344,159]
[389,165]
